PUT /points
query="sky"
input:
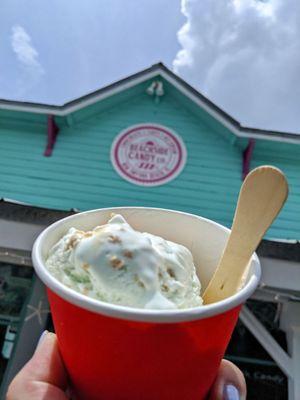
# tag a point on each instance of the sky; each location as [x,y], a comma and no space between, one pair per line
[244,55]
[55,51]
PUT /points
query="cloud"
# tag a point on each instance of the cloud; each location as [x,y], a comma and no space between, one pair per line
[28,57]
[245,56]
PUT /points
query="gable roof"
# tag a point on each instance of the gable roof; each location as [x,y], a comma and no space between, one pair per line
[157,69]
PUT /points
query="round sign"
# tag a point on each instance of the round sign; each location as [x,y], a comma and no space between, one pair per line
[148,154]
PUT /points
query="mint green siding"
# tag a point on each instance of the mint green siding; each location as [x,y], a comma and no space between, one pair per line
[286,157]
[79,173]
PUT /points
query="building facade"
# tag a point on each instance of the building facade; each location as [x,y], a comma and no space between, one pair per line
[147,140]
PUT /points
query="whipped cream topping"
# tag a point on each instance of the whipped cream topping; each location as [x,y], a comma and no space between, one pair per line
[117,264]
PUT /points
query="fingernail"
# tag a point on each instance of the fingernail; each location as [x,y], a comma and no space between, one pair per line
[231,393]
[42,337]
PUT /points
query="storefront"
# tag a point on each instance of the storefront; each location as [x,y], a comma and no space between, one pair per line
[148,140]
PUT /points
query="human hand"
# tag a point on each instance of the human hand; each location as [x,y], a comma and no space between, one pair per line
[44,377]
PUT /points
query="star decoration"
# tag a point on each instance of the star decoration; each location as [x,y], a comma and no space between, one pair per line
[37,311]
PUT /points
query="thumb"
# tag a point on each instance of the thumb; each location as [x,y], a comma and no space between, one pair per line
[43,377]
[229,384]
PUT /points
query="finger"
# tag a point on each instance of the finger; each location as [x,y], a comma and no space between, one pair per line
[229,384]
[43,377]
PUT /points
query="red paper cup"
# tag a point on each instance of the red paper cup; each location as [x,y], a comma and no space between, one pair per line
[114,352]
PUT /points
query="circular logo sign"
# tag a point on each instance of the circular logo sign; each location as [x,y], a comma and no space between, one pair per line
[148,154]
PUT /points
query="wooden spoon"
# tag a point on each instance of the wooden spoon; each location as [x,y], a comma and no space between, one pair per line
[261,197]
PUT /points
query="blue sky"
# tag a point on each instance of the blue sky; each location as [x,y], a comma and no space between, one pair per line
[79,46]
[242,54]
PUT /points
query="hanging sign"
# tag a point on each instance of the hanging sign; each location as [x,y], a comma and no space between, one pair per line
[148,154]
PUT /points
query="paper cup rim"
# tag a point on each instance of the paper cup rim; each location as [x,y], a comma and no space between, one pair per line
[139,314]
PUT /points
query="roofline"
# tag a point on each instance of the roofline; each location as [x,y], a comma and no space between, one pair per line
[133,80]
[12,210]
[224,118]
[83,101]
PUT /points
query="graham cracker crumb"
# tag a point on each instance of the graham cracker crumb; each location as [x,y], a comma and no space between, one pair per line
[88,234]
[165,288]
[116,262]
[171,273]
[128,254]
[114,239]
[72,243]
[85,266]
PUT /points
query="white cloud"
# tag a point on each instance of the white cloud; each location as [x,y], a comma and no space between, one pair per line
[28,57]
[245,56]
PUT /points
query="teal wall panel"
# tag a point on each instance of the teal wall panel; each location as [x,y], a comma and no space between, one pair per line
[285,156]
[79,173]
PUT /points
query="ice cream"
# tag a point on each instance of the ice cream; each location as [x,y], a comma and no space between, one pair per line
[117,264]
